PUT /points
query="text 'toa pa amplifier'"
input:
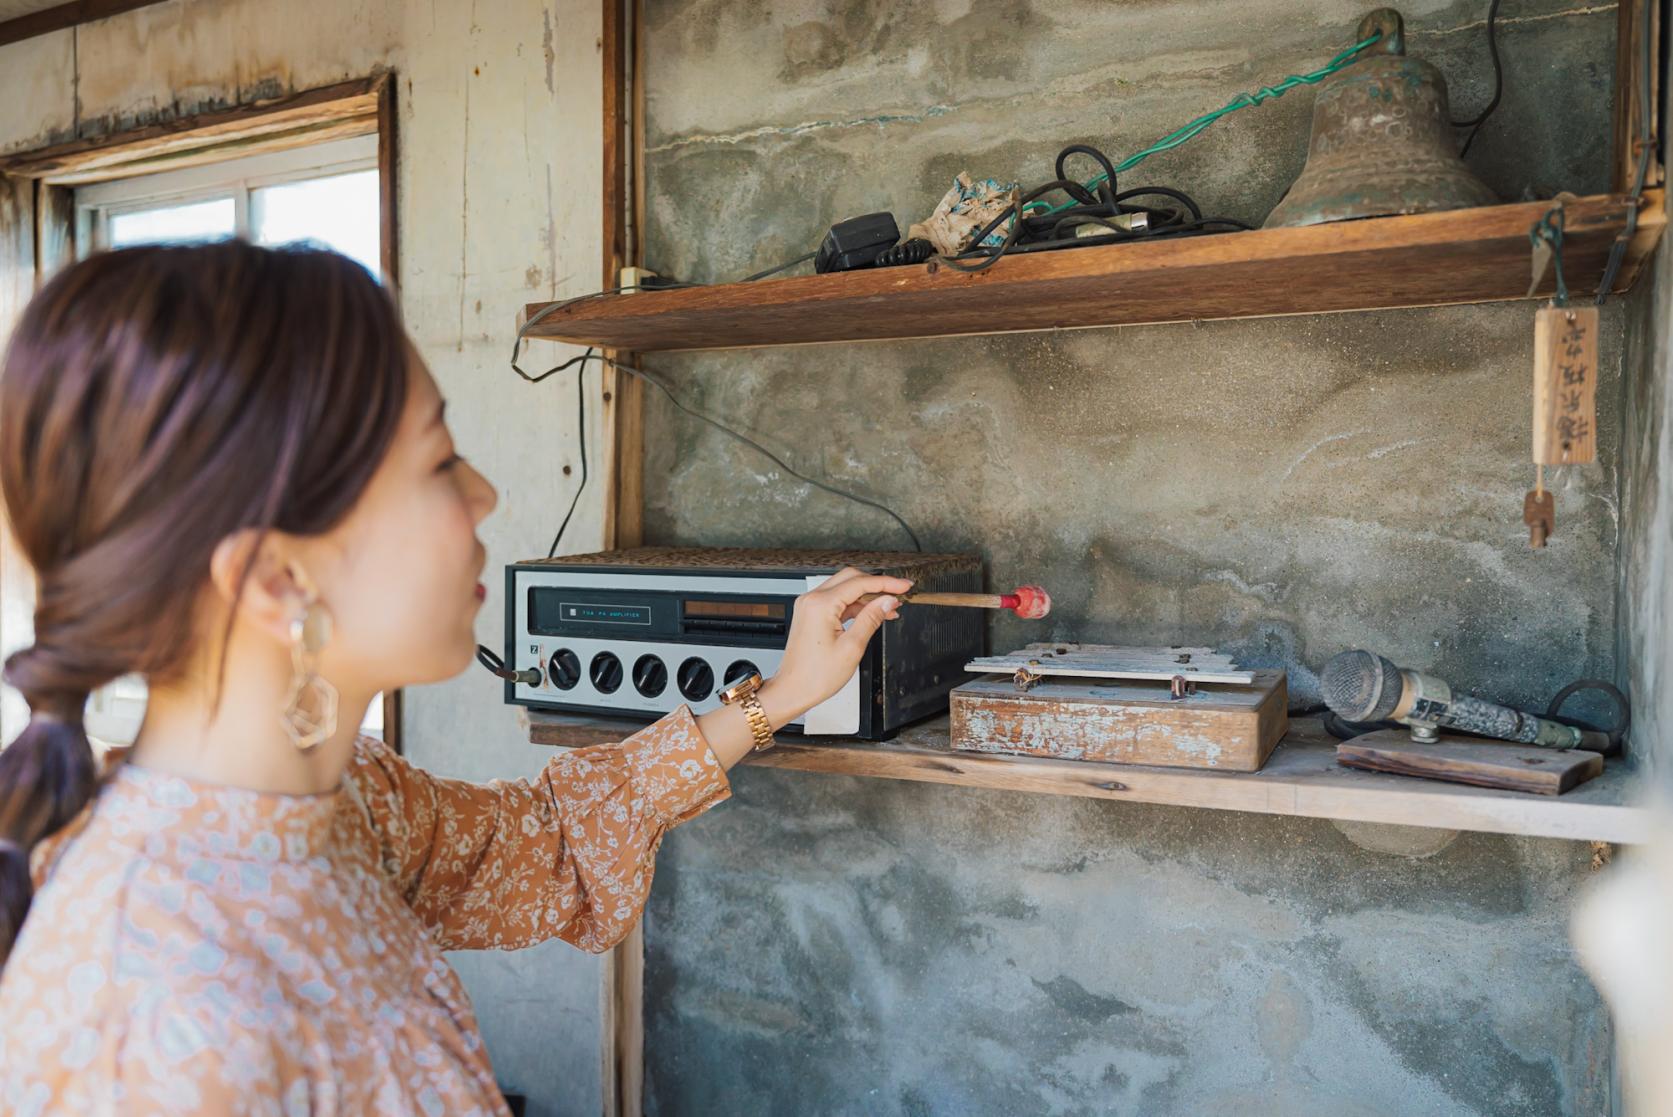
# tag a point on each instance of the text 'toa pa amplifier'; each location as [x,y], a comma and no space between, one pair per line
[640,632]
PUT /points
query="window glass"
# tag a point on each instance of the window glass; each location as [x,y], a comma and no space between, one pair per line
[185,223]
[339,212]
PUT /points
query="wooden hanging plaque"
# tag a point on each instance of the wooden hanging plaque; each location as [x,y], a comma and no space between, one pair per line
[1565,385]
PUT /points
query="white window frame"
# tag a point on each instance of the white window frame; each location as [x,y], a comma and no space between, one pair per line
[115,711]
[238,179]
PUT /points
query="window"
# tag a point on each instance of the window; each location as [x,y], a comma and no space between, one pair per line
[326,195]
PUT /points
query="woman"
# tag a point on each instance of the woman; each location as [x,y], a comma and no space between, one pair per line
[231,474]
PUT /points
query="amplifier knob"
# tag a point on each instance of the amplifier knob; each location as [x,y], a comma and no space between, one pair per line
[606,673]
[565,669]
[697,679]
[650,676]
[740,671]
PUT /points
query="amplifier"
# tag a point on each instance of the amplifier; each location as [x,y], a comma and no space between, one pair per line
[640,632]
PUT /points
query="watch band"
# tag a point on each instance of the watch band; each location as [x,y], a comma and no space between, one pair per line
[756,715]
[743,694]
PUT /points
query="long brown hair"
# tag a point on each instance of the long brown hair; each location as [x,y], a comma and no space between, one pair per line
[153,402]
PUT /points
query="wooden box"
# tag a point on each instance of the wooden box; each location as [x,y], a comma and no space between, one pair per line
[1226,727]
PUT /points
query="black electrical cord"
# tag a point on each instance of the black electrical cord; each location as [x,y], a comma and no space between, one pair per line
[666,285]
[786,266]
[1616,731]
[656,382]
[496,666]
[581,429]
[1646,142]
[1115,212]
[552,308]
[1474,123]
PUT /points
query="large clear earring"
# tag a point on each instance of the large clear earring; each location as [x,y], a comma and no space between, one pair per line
[310,712]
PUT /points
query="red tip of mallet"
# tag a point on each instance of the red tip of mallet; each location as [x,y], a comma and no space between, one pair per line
[1029,602]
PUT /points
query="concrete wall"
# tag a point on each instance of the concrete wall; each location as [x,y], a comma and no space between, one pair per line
[1280,488]
[1646,561]
[499,196]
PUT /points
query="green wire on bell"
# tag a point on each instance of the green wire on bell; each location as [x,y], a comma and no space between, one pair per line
[1381,141]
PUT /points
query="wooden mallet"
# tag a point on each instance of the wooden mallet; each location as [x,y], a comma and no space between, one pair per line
[1028,602]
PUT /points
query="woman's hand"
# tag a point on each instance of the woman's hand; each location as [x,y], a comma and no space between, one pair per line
[820,655]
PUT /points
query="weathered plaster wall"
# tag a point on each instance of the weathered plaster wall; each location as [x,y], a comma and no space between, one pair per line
[1646,561]
[866,947]
[1281,488]
[499,196]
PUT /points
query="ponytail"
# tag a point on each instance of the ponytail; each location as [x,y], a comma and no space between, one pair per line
[47,776]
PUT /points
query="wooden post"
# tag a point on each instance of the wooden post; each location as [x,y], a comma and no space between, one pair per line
[1629,85]
[623,395]
[389,262]
[623,419]
[389,239]
[17,284]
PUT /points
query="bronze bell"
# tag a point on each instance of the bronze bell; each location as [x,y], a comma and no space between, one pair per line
[1381,141]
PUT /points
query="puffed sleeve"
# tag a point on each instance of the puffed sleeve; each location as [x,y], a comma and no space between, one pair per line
[568,854]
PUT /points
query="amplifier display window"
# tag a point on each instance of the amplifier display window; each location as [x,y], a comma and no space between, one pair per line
[759,618]
[750,610]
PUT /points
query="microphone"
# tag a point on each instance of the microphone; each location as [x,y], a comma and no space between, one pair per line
[1363,687]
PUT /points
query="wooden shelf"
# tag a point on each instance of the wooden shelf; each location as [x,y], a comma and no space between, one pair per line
[1301,779]
[1429,259]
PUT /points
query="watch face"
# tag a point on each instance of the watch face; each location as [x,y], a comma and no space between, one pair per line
[741,688]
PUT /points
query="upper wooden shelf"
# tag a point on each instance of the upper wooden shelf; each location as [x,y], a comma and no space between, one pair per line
[1300,779]
[1429,259]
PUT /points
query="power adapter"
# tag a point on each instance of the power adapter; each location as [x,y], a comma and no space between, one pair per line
[856,243]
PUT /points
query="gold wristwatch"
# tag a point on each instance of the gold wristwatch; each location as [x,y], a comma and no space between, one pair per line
[743,693]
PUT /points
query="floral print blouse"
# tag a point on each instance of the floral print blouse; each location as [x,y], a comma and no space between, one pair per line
[197,949]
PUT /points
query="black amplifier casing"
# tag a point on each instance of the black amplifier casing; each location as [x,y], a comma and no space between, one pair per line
[907,672]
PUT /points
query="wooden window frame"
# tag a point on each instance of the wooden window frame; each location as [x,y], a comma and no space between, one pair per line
[38,214]
[238,179]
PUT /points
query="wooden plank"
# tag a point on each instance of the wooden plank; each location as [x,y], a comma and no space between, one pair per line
[17,580]
[627,494]
[1233,729]
[1460,760]
[1154,673]
[1301,779]
[1426,259]
[1629,85]
[65,16]
[55,230]
[622,455]
[314,116]
[389,161]
[389,263]
[1565,385]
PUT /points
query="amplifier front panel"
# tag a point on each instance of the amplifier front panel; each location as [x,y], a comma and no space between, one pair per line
[650,673]
[626,696]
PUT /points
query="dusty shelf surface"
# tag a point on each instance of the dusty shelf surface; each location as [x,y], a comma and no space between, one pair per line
[1427,259]
[1301,779]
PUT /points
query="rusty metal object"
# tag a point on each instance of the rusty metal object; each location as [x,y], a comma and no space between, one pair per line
[1181,687]
[1381,142]
[1026,679]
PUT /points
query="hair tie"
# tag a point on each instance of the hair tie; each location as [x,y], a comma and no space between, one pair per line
[8,844]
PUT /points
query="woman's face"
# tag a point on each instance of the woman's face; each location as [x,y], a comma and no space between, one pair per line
[402,574]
